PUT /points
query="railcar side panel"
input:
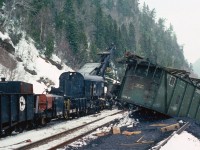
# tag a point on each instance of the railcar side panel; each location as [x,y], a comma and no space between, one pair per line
[159,103]
[194,104]
[16,108]
[16,87]
[58,105]
[186,100]
[176,97]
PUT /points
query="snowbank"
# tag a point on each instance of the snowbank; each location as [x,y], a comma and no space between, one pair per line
[184,141]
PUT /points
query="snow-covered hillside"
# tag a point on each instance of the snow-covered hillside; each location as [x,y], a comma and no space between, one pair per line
[29,60]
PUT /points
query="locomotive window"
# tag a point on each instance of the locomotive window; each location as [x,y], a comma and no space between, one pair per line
[172,81]
[102,84]
[94,90]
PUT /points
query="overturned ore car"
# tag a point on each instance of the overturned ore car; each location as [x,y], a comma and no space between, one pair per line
[166,90]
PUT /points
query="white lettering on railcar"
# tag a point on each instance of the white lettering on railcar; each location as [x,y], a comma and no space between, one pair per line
[22,103]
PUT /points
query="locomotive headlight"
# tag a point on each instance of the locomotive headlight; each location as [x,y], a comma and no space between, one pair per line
[22,103]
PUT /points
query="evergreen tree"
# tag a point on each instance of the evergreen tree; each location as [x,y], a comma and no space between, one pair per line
[100,30]
[71,26]
[49,46]
[131,37]
[1,3]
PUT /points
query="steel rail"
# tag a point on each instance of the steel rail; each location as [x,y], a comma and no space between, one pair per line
[65,143]
[60,135]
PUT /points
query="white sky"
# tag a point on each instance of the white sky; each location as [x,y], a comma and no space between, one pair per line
[184,15]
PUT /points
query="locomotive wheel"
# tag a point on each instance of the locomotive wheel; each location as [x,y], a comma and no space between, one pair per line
[43,121]
[66,115]
[8,131]
[21,127]
[48,120]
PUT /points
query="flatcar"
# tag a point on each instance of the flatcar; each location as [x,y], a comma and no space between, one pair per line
[166,90]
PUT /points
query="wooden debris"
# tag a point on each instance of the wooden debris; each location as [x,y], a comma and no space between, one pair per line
[101,134]
[116,130]
[159,125]
[131,133]
[170,127]
[139,141]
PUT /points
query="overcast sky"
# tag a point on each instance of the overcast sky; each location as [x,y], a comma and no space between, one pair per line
[184,15]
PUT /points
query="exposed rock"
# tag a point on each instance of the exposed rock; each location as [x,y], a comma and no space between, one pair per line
[7,46]
[19,59]
[33,72]
[57,64]
[46,81]
[6,60]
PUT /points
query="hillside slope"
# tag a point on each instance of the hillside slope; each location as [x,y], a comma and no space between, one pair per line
[29,66]
[76,30]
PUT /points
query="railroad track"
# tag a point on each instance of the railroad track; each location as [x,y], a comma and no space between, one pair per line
[66,137]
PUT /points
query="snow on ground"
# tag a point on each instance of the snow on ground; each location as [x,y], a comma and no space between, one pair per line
[35,135]
[4,36]
[32,60]
[184,141]
[127,121]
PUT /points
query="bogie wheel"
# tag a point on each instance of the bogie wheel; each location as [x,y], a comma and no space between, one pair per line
[48,120]
[43,121]
[21,127]
[8,131]
[66,115]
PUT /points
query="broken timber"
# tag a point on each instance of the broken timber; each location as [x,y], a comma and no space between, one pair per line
[170,127]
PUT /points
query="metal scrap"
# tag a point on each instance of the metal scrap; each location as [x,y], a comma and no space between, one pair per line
[139,141]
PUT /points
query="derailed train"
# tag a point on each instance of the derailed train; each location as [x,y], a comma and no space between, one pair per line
[78,94]
[169,91]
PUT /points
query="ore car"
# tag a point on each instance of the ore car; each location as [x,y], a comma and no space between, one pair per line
[166,90]
[16,106]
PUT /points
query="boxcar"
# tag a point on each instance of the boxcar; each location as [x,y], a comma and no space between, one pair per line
[16,106]
[166,90]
